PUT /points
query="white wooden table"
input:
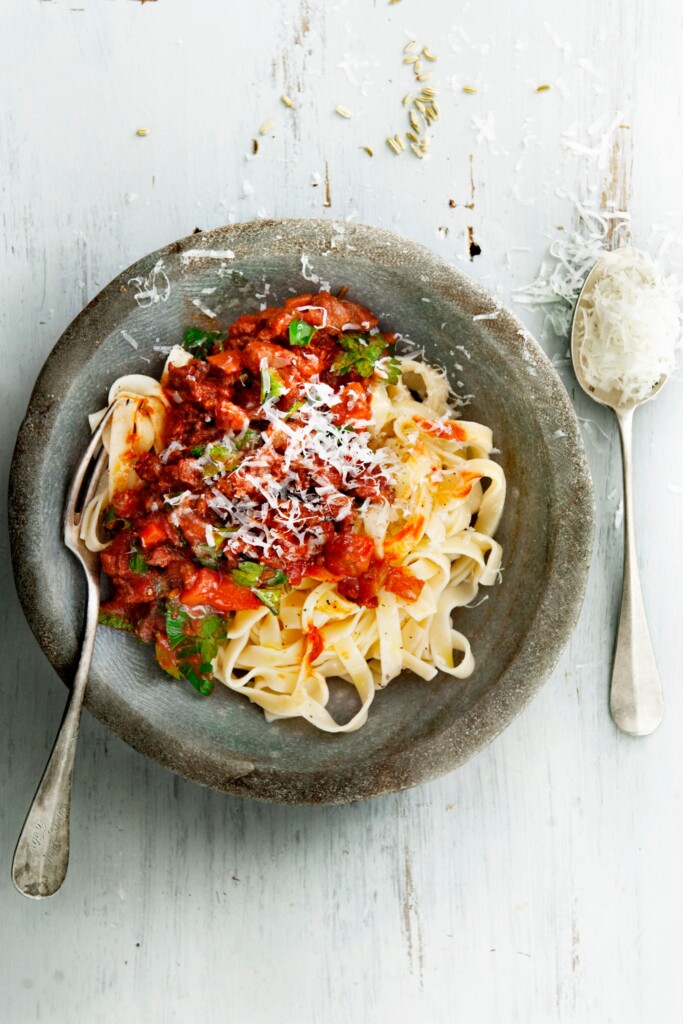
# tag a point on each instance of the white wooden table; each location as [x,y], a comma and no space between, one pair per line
[542,882]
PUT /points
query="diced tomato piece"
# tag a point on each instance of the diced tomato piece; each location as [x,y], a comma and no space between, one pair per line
[402,582]
[229,361]
[219,592]
[354,404]
[349,554]
[152,534]
[449,430]
[315,644]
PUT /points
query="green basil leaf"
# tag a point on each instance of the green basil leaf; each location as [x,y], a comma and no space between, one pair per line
[138,563]
[272,385]
[247,439]
[207,556]
[115,621]
[270,598]
[293,409]
[393,371]
[300,333]
[247,574]
[204,686]
[360,353]
[177,622]
[200,342]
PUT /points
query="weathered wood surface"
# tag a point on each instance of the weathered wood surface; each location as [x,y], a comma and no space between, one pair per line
[542,881]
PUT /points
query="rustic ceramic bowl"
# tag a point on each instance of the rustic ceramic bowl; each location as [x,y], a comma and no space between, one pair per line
[416,730]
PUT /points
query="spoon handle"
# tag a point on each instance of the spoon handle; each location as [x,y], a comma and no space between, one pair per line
[41,858]
[636,699]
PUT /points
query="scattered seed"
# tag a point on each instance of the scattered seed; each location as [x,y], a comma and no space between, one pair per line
[414,123]
[418,66]
[393,145]
[431,110]
[422,78]
[267,127]
[406,99]
[428,90]
[542,88]
[413,138]
[427,55]
[408,47]
[416,150]
[423,145]
[412,58]
[436,108]
[254,146]
[286,100]
[420,105]
[468,88]
[343,111]
[394,2]
[399,142]
[368,150]
[142,131]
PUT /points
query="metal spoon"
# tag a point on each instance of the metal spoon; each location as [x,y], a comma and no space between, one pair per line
[636,700]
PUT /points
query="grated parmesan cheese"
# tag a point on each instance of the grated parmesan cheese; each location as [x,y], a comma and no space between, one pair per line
[629,327]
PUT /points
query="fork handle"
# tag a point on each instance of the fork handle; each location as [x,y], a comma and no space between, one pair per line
[41,858]
[636,699]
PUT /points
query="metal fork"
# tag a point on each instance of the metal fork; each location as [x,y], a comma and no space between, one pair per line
[41,858]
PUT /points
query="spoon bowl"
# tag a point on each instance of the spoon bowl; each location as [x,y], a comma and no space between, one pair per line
[610,263]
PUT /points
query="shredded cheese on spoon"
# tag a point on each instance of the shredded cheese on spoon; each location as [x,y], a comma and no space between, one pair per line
[628,328]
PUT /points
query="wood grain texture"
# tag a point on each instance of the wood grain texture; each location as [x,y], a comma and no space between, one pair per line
[539,883]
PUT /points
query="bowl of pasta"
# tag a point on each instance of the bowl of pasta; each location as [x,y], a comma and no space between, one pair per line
[346,519]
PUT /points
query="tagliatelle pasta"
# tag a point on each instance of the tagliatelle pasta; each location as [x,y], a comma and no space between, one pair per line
[294,503]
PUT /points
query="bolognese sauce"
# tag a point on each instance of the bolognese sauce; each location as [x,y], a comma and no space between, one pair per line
[266,464]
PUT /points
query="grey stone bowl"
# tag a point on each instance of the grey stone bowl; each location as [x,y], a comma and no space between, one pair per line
[416,730]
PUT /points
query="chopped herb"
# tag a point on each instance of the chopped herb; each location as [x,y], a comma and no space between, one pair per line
[176,625]
[198,450]
[204,686]
[223,459]
[200,342]
[293,409]
[207,555]
[115,621]
[194,643]
[247,439]
[112,521]
[219,452]
[247,574]
[392,370]
[301,333]
[138,563]
[272,385]
[360,354]
[270,598]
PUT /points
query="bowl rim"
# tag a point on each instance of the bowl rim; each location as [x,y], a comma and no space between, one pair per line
[558,606]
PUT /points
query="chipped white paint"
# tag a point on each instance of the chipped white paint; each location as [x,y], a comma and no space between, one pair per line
[540,883]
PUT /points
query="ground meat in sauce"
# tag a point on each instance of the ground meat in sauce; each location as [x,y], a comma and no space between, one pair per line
[170,537]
